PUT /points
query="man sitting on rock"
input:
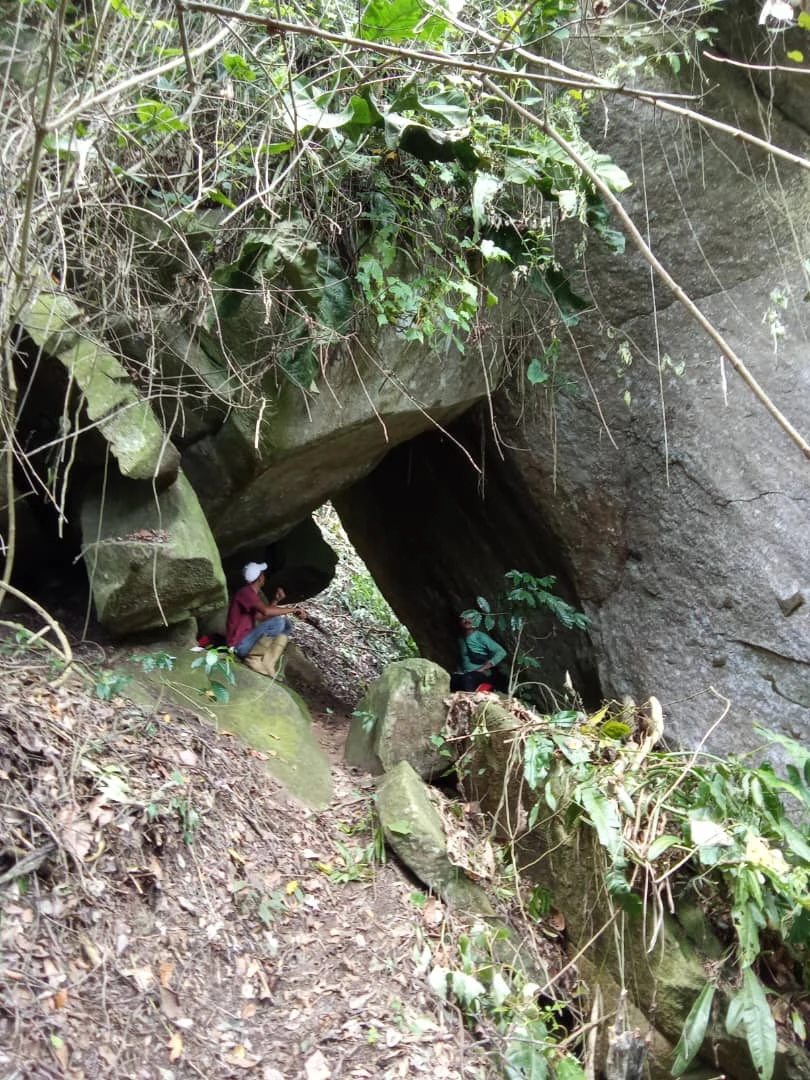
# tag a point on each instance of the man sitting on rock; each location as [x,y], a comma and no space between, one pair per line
[479,656]
[256,631]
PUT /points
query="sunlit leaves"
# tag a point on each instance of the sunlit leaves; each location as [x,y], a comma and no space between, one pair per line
[400,20]
[158,117]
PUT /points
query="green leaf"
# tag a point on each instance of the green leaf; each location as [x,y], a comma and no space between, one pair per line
[525,1052]
[277,147]
[796,56]
[660,845]
[536,373]
[804,20]
[466,987]
[483,604]
[220,692]
[157,116]
[451,105]
[603,814]
[538,754]
[400,20]
[238,68]
[694,1030]
[429,144]
[499,989]
[568,1068]
[301,111]
[750,1011]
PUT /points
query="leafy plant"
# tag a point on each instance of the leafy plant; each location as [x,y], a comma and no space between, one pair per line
[156,661]
[500,999]
[217,666]
[111,684]
[526,596]
[726,824]
[167,803]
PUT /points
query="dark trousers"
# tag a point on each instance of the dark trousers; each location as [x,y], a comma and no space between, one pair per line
[471,680]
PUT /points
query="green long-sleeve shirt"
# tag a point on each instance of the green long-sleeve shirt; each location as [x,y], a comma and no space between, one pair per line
[477,648]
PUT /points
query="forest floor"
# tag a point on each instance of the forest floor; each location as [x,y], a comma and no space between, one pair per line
[167,911]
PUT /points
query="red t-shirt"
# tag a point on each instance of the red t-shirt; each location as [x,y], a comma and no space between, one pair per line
[241,614]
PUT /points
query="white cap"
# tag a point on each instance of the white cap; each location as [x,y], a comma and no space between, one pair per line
[252,571]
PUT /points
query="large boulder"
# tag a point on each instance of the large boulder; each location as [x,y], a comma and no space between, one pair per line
[395,720]
[414,829]
[269,465]
[562,855]
[151,560]
[643,472]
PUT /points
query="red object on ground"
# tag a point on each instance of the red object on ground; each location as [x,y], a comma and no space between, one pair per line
[484,687]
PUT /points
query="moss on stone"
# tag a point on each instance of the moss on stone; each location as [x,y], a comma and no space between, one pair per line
[263,713]
[396,719]
[149,563]
[414,830]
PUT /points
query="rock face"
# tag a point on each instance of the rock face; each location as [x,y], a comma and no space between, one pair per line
[151,562]
[268,716]
[567,861]
[259,474]
[396,719]
[643,472]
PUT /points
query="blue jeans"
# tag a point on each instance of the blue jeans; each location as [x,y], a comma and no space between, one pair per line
[272,627]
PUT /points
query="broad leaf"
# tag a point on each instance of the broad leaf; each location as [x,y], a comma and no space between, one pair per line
[538,754]
[525,1052]
[660,845]
[694,1030]
[466,987]
[568,1068]
[750,1011]
[603,814]
[485,188]
[536,373]
[400,20]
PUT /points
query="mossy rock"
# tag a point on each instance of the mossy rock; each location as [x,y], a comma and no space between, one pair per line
[413,828]
[263,713]
[395,720]
[150,561]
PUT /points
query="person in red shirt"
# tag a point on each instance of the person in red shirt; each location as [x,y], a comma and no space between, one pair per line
[250,618]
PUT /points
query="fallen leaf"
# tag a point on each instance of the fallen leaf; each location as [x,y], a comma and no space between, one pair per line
[165,973]
[175,1046]
[433,912]
[142,975]
[169,1005]
[76,833]
[59,999]
[316,1068]
[291,887]
[59,1050]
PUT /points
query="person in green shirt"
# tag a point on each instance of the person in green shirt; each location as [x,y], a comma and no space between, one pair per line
[479,656]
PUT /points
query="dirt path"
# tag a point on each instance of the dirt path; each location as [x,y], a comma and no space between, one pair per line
[179,916]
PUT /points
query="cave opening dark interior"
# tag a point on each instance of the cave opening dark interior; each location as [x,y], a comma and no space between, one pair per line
[438,522]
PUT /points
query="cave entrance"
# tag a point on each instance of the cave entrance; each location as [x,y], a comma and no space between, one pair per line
[437,531]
